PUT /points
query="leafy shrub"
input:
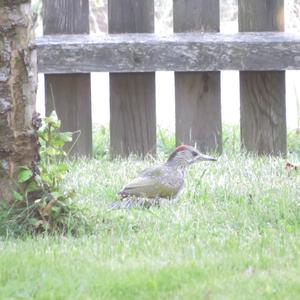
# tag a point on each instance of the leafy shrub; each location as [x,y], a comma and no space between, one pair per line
[40,203]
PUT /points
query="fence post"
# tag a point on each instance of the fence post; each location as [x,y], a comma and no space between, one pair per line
[69,94]
[197,94]
[132,95]
[263,112]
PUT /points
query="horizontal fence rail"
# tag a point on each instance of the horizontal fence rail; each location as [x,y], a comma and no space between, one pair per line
[251,51]
[196,53]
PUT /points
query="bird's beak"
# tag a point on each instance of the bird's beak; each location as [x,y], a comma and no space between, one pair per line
[203,157]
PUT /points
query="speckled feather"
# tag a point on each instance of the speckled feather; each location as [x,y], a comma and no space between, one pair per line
[160,181]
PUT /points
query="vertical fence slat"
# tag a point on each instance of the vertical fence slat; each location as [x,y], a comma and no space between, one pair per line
[71,93]
[263,112]
[132,95]
[197,94]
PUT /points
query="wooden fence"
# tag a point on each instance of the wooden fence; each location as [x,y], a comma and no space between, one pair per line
[196,52]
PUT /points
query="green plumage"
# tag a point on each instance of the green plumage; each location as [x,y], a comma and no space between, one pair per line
[160,183]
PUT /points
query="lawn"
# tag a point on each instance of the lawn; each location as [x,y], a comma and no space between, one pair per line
[233,234]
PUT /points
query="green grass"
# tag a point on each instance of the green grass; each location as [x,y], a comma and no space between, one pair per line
[234,234]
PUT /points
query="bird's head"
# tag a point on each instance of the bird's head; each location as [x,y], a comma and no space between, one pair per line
[185,155]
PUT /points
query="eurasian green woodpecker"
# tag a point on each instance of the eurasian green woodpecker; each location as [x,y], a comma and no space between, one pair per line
[160,183]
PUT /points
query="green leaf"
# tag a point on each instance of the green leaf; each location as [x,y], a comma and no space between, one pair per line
[52,120]
[63,168]
[42,142]
[53,152]
[59,139]
[56,142]
[18,196]
[24,174]
[32,186]
[46,178]
[65,136]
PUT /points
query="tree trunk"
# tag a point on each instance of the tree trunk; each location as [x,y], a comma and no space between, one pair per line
[18,82]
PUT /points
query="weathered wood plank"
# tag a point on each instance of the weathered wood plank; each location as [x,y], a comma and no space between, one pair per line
[198,110]
[74,108]
[132,114]
[196,16]
[261,15]
[130,16]
[71,92]
[198,94]
[132,96]
[263,112]
[65,16]
[263,116]
[178,52]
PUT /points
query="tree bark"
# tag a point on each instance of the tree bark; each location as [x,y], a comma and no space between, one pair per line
[18,83]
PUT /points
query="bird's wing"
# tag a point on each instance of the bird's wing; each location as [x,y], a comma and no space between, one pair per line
[152,182]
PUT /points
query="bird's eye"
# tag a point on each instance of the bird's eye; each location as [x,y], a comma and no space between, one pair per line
[195,153]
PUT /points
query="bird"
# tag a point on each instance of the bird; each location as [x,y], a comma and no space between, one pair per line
[162,183]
